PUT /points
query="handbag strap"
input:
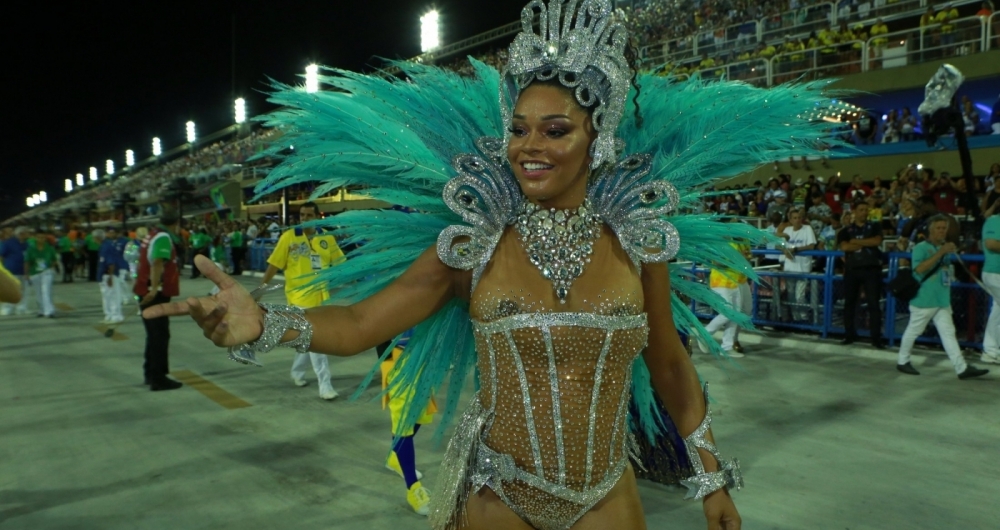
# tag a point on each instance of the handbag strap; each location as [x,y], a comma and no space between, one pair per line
[931,272]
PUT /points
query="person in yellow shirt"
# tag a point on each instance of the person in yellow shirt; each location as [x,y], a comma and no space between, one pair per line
[946,17]
[734,289]
[706,62]
[10,288]
[302,252]
[767,51]
[879,42]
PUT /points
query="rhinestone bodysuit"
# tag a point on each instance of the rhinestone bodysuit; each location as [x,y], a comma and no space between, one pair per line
[547,430]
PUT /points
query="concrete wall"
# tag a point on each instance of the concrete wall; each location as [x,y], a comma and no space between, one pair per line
[972,66]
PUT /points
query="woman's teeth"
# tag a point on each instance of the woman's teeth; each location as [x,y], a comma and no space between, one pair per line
[531,166]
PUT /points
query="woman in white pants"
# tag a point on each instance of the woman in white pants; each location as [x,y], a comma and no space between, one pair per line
[41,261]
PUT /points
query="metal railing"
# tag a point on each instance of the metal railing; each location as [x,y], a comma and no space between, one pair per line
[962,36]
[815,301]
[801,21]
[822,61]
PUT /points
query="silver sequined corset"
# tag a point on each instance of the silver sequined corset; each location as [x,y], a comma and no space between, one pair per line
[555,392]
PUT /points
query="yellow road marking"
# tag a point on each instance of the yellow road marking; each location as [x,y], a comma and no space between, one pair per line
[63,307]
[209,389]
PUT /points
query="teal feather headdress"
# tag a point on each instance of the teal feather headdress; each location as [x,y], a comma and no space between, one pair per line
[393,139]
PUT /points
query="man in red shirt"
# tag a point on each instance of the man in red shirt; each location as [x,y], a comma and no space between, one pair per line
[158,280]
[858,189]
[832,196]
[944,194]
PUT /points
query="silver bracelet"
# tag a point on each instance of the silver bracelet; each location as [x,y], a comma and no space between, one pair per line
[702,484]
[277,320]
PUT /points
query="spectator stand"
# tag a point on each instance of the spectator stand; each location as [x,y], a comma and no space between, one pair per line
[823,307]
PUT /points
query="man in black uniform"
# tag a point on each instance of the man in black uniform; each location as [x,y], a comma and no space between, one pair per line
[860,241]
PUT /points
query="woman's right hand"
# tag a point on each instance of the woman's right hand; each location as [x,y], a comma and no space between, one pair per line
[228,318]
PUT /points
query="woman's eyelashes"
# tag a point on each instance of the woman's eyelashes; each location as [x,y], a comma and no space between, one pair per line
[554,132]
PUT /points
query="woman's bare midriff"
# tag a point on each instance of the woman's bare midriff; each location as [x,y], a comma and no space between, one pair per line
[619,509]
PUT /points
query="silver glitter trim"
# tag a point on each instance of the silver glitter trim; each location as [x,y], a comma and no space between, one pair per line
[556,412]
[594,395]
[702,483]
[634,208]
[241,353]
[543,320]
[523,379]
[584,49]
[277,320]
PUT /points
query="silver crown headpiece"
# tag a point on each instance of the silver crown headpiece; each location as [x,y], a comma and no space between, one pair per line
[580,45]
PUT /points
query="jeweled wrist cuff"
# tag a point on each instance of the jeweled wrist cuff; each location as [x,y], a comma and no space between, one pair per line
[277,320]
[702,484]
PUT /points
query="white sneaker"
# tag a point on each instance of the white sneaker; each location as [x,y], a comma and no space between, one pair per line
[329,394]
[735,354]
[299,381]
[989,359]
[702,346]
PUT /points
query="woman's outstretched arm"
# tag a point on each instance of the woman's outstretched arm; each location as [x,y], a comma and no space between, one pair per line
[676,381]
[231,317]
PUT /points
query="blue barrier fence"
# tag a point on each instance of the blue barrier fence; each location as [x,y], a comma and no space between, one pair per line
[815,301]
[258,252]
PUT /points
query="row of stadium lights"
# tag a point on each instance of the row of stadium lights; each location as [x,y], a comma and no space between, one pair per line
[430,38]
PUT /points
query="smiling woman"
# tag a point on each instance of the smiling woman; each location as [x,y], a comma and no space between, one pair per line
[546,268]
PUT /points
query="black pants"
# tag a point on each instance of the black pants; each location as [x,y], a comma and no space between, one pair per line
[195,273]
[868,280]
[156,366]
[238,255]
[92,259]
[68,263]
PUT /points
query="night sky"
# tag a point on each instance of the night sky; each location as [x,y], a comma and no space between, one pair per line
[87,80]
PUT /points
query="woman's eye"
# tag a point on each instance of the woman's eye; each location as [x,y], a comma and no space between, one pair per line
[516,131]
[556,133]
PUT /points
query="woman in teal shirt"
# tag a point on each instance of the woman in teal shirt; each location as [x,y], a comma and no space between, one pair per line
[41,260]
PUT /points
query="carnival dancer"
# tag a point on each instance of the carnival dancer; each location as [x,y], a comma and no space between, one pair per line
[546,264]
[301,253]
[402,458]
[157,282]
[111,265]
[41,262]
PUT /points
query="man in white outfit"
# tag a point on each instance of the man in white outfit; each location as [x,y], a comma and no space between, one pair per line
[734,289]
[114,271]
[799,237]
[932,267]
[301,253]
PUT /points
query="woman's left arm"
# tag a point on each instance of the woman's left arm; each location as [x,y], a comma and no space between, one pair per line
[676,381]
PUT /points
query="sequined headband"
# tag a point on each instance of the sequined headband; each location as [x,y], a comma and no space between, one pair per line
[580,45]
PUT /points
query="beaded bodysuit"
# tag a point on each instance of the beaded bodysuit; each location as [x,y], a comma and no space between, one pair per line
[547,431]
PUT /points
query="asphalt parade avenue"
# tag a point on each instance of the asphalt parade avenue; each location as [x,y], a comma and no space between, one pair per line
[827,438]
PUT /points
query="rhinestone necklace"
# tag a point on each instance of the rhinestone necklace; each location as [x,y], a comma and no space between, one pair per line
[559,242]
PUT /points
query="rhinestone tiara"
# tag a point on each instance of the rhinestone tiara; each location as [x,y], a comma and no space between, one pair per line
[583,47]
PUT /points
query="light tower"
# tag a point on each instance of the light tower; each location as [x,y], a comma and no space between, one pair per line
[93,174]
[129,158]
[189,128]
[157,148]
[79,179]
[68,186]
[240,111]
[430,31]
[312,78]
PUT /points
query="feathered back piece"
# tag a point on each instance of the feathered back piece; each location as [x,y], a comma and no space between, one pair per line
[395,139]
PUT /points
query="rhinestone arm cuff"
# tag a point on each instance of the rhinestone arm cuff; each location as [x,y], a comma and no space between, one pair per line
[701,484]
[277,320]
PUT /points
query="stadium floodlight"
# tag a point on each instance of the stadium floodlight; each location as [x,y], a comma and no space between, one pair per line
[68,186]
[93,173]
[189,127]
[312,79]
[44,197]
[430,31]
[157,148]
[79,179]
[129,157]
[241,110]
[109,167]
[29,202]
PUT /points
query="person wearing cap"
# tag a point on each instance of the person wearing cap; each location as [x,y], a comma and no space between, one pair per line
[158,281]
[779,206]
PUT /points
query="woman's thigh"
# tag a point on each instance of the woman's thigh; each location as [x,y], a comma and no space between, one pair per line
[620,509]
